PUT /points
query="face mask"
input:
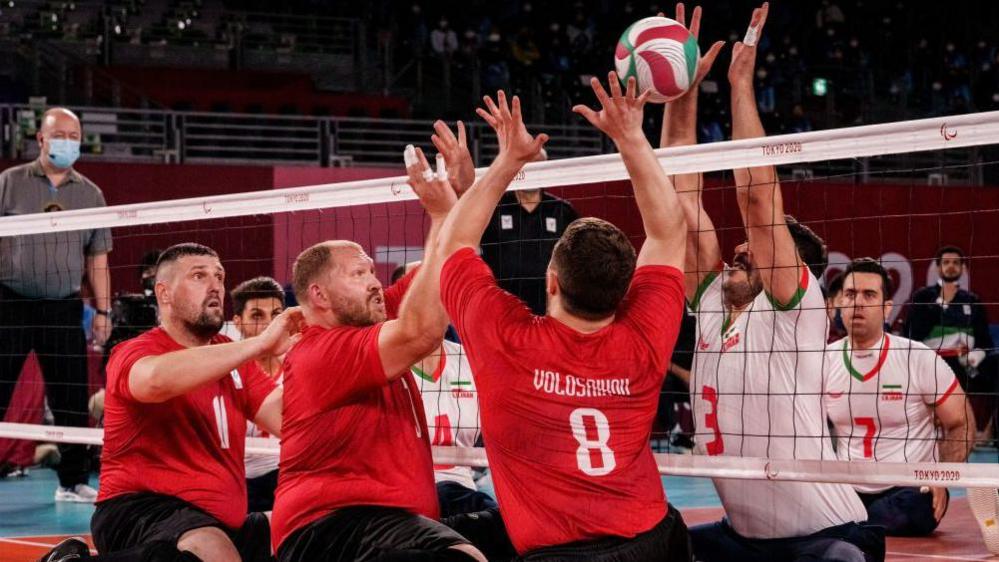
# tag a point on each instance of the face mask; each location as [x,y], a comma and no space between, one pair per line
[63,153]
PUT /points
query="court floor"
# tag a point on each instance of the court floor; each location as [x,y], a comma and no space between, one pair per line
[30,521]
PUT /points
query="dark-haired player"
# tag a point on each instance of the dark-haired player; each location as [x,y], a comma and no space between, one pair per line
[757,376]
[885,395]
[255,304]
[567,399]
[178,399]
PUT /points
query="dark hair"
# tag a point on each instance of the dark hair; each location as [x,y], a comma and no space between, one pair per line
[398,273]
[595,262]
[811,248]
[149,260]
[257,288]
[948,250]
[835,284]
[870,265]
[177,251]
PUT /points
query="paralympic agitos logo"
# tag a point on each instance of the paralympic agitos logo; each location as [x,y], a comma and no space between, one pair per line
[947,134]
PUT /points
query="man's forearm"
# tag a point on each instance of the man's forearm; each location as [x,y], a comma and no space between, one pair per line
[100,280]
[957,442]
[471,215]
[162,377]
[656,200]
[421,310]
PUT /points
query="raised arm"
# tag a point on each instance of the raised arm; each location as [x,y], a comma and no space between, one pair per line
[466,223]
[419,327]
[158,378]
[770,243]
[703,255]
[620,117]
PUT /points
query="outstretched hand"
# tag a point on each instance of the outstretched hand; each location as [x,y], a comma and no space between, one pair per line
[511,133]
[743,65]
[460,168]
[435,192]
[707,60]
[621,114]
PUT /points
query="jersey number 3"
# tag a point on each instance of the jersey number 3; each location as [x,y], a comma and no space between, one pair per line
[587,446]
[716,446]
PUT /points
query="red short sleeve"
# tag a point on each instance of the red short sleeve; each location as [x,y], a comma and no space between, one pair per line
[338,364]
[654,307]
[258,387]
[473,300]
[123,358]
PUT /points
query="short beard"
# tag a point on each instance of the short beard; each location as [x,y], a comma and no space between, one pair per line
[950,278]
[205,326]
[739,294]
[355,314]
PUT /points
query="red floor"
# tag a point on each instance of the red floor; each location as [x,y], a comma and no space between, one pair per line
[956,539]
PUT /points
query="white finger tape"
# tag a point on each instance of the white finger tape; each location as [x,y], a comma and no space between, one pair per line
[428,175]
[409,156]
[441,168]
[751,36]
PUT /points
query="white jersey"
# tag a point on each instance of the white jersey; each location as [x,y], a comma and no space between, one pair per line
[452,407]
[756,385]
[881,401]
[259,465]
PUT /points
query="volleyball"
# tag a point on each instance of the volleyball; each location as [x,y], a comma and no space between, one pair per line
[661,54]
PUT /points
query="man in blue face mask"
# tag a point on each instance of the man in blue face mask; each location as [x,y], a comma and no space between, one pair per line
[41,275]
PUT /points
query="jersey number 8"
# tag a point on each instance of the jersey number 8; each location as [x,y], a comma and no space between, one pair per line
[584,458]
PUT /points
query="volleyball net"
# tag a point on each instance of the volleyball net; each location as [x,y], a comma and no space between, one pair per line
[895,192]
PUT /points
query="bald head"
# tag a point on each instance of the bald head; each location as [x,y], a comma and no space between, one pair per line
[316,261]
[60,120]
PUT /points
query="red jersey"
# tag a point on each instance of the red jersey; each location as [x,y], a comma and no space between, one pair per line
[189,447]
[349,437]
[567,416]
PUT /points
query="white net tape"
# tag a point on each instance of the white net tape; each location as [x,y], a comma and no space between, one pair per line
[973,129]
[838,144]
[749,468]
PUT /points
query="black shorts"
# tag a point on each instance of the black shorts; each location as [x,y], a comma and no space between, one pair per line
[131,520]
[365,533]
[668,541]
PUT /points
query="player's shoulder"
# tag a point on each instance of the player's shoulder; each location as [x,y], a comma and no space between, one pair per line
[928,293]
[453,348]
[970,296]
[902,344]
[151,340]
[836,345]
[220,338]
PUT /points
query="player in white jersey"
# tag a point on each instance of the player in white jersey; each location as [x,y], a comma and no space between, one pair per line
[756,381]
[884,394]
[255,303]
[452,407]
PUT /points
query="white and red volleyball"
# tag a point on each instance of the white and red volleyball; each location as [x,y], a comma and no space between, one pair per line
[661,54]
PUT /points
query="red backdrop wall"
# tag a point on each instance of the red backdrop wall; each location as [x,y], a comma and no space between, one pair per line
[906,223]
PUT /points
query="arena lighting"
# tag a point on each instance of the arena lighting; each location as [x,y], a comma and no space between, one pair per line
[820,86]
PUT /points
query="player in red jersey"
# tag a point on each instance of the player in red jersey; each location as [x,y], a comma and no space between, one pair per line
[568,399]
[356,479]
[178,398]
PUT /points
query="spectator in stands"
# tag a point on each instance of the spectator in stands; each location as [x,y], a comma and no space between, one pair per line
[519,240]
[41,275]
[255,303]
[953,321]
[443,40]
